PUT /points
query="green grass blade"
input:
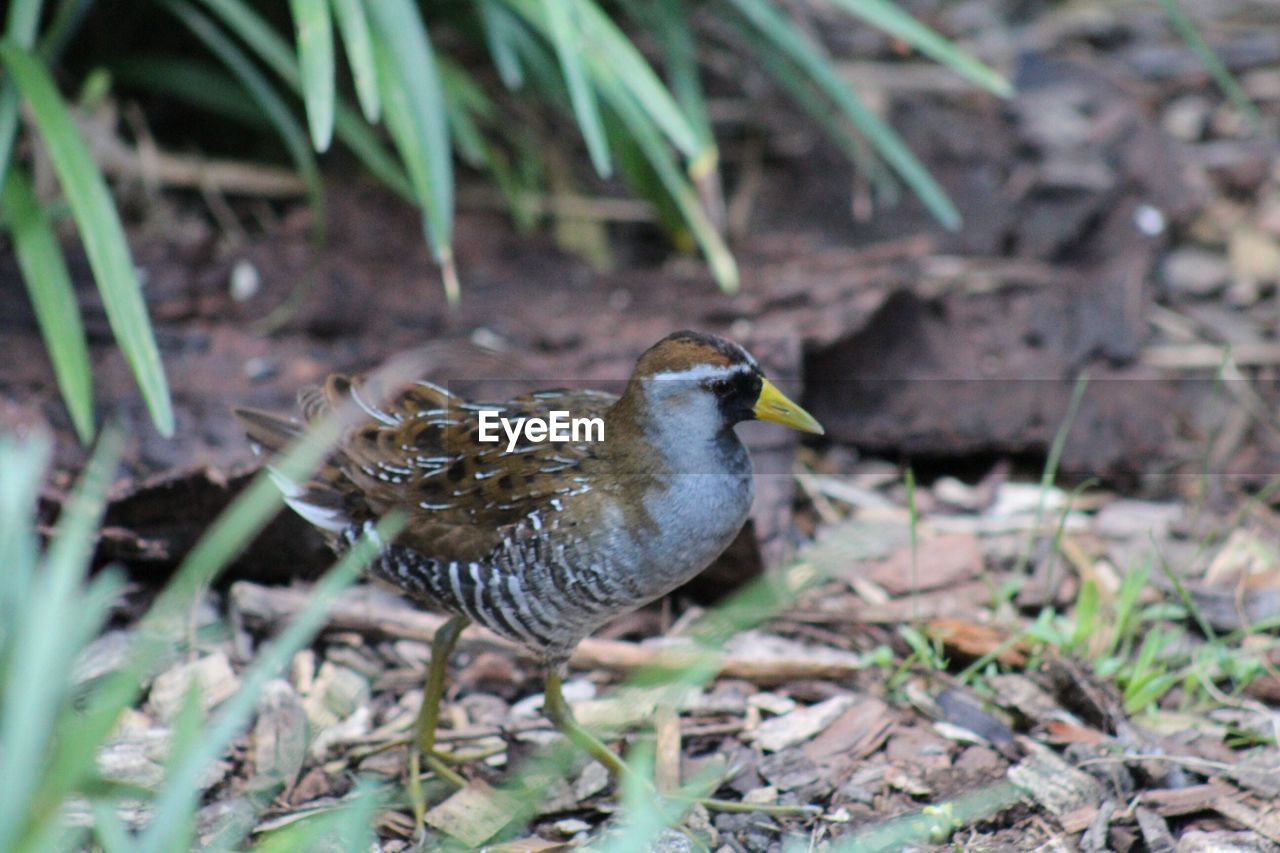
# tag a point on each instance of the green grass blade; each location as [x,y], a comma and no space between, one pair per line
[314,30]
[203,85]
[348,825]
[109,829]
[177,800]
[99,227]
[416,116]
[354,27]
[269,47]
[723,267]
[835,125]
[44,272]
[897,22]
[499,32]
[85,727]
[24,18]
[42,647]
[1221,75]
[466,101]
[809,58]
[670,21]
[608,45]
[263,93]
[566,39]
[23,462]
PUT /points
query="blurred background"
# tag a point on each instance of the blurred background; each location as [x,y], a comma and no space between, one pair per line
[1019,258]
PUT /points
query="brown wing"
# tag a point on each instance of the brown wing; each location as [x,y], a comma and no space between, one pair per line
[422,454]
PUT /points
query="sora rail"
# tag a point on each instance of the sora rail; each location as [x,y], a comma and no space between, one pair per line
[545,542]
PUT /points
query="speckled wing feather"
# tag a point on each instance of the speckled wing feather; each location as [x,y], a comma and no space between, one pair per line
[421,453]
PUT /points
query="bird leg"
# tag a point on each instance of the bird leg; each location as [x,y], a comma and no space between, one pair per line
[421,748]
[561,716]
[557,710]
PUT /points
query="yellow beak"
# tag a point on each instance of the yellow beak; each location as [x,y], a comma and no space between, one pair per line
[773,405]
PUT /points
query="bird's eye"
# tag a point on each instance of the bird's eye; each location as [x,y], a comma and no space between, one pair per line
[722,387]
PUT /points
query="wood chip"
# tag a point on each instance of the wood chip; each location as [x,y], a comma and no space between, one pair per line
[666,760]
[1055,784]
[475,813]
[800,725]
[974,641]
[1266,824]
[279,735]
[217,682]
[1175,802]
[939,561]
[1155,832]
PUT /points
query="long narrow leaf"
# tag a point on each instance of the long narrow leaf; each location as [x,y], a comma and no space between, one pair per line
[261,90]
[346,825]
[416,116]
[43,648]
[800,88]
[723,266]
[44,272]
[24,17]
[1221,75]
[314,29]
[99,227]
[465,101]
[609,45]
[354,27]
[86,727]
[499,32]
[786,38]
[274,51]
[565,38]
[23,463]
[177,801]
[200,83]
[897,22]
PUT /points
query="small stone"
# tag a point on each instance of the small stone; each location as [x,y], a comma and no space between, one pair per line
[593,780]
[1187,117]
[1196,272]
[1254,255]
[245,281]
[570,826]
[761,796]
[337,692]
[772,703]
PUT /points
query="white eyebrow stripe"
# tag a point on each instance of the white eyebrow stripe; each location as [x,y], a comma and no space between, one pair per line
[704,371]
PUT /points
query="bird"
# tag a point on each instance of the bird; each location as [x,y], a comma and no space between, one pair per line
[541,542]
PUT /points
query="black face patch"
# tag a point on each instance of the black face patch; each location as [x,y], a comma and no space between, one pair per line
[737,394]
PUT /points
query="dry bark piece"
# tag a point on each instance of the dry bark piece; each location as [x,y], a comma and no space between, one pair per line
[279,739]
[852,736]
[1174,802]
[973,640]
[212,673]
[1057,786]
[375,612]
[474,814]
[799,725]
[1155,832]
[938,561]
[1265,823]
[666,759]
